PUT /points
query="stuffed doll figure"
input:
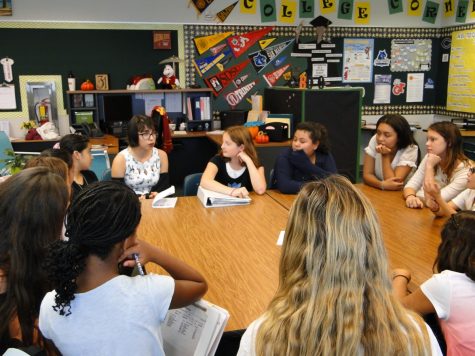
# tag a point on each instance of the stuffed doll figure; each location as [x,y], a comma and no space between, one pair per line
[168,79]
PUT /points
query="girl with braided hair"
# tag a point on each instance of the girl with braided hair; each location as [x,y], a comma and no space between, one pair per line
[93,309]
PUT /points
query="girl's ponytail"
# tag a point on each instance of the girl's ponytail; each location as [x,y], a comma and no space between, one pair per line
[64,263]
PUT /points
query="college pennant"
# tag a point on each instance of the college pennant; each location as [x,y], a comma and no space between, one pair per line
[203,65]
[204,43]
[200,5]
[221,80]
[218,48]
[224,13]
[272,77]
[241,43]
[262,58]
[238,81]
[235,97]
[266,42]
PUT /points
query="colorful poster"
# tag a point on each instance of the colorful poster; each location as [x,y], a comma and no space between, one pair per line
[203,65]
[414,7]
[235,97]
[395,6]
[201,5]
[415,87]
[272,77]
[362,13]
[248,7]
[382,89]
[204,43]
[306,9]
[268,11]
[288,11]
[430,12]
[220,81]
[262,58]
[224,13]
[461,82]
[345,9]
[358,60]
[239,44]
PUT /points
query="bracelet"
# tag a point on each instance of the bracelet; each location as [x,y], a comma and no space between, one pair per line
[232,191]
[407,196]
[401,275]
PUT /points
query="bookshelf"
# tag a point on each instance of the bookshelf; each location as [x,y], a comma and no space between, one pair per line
[88,106]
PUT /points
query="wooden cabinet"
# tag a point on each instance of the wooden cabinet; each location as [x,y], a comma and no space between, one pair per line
[114,108]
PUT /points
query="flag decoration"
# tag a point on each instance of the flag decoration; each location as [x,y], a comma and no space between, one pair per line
[288,11]
[221,80]
[206,42]
[266,42]
[248,7]
[268,11]
[448,8]
[327,7]
[414,7]
[345,9]
[218,48]
[200,5]
[203,65]
[272,77]
[430,12]
[235,97]
[395,6]
[363,13]
[306,9]
[238,81]
[223,62]
[260,59]
[224,13]
[239,44]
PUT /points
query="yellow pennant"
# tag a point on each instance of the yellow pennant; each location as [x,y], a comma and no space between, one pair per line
[414,7]
[206,42]
[448,7]
[264,43]
[248,6]
[288,11]
[328,6]
[362,13]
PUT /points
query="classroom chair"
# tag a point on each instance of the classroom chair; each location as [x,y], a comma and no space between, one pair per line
[191,183]
[100,162]
[107,175]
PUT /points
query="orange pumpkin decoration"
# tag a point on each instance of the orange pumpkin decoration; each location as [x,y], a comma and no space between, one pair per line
[262,137]
[253,130]
[87,85]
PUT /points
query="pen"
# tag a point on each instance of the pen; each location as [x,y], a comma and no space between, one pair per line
[138,264]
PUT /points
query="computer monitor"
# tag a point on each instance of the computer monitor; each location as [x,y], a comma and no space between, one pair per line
[117,113]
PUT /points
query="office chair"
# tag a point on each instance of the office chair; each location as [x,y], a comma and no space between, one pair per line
[191,183]
[100,162]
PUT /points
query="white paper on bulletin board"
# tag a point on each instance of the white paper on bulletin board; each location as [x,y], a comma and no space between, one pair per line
[461,84]
[7,97]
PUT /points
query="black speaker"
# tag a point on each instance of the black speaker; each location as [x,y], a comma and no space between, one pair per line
[232,118]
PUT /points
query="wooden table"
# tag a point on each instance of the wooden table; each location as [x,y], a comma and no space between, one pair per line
[234,248]
[411,236]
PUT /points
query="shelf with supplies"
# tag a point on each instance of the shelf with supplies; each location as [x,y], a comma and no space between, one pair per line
[111,109]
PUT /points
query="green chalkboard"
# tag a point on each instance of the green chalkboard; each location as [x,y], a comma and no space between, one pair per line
[121,54]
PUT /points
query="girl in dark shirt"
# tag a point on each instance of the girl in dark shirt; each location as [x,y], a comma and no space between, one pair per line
[308,159]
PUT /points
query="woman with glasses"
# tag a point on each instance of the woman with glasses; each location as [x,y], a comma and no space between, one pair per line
[142,166]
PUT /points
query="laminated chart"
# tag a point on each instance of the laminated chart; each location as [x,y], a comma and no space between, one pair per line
[411,55]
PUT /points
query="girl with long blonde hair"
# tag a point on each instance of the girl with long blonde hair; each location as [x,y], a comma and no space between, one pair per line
[334,295]
[236,170]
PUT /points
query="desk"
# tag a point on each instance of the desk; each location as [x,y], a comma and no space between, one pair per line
[411,236]
[234,248]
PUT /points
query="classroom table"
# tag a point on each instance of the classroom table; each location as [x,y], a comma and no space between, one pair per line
[411,236]
[233,247]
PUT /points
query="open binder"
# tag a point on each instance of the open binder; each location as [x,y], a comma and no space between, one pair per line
[161,200]
[194,330]
[212,199]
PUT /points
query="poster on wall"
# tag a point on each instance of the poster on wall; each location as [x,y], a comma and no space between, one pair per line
[461,82]
[358,60]
[409,55]
[6,8]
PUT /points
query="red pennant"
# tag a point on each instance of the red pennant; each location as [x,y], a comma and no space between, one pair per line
[239,44]
[222,79]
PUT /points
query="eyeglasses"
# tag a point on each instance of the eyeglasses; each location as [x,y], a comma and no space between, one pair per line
[148,134]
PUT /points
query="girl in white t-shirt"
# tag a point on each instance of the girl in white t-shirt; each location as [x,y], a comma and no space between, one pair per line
[463,201]
[391,154]
[451,292]
[444,164]
[94,310]
[334,295]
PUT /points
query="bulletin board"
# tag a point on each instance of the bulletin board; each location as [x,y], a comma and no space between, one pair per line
[425,71]
[121,54]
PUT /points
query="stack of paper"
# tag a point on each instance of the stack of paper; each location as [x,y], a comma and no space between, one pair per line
[194,330]
[161,200]
[212,199]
